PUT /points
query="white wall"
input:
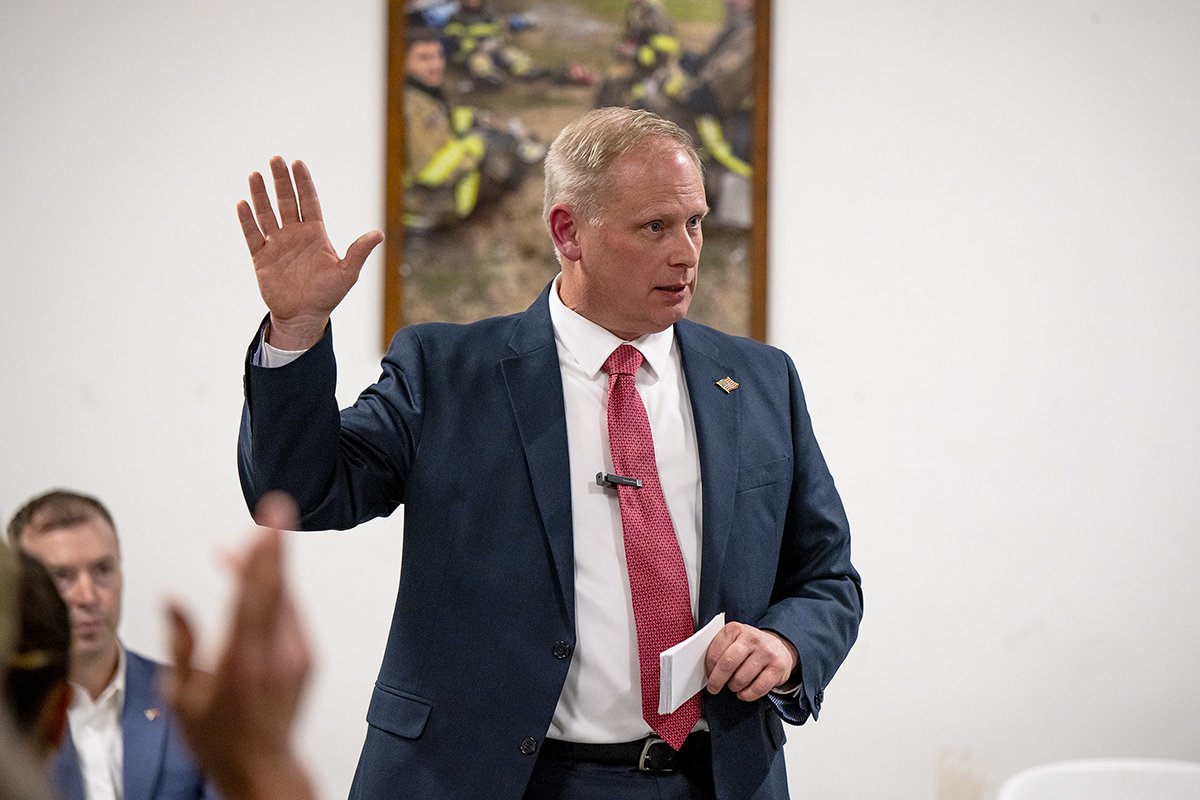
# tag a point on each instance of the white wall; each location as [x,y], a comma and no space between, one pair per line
[984,259]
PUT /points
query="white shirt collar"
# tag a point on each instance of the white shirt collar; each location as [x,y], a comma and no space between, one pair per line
[112,696]
[590,345]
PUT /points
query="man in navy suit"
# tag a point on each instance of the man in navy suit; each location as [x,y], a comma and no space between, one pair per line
[512,666]
[123,742]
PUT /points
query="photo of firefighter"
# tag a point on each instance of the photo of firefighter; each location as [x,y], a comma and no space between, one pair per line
[488,84]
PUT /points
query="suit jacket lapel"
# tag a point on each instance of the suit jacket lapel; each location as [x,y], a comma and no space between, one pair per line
[716,414]
[65,770]
[143,728]
[534,385]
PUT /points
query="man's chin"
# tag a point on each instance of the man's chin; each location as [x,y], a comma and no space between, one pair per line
[88,646]
[678,310]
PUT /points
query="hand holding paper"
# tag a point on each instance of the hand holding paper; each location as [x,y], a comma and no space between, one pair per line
[682,666]
[750,661]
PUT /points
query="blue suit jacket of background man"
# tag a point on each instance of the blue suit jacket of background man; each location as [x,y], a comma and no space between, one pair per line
[157,764]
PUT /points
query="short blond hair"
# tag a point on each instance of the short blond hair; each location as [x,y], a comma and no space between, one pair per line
[577,163]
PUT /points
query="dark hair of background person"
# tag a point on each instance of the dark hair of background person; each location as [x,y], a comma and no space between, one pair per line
[58,508]
[40,657]
[21,776]
[416,34]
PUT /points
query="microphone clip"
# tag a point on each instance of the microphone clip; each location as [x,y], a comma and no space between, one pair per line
[613,481]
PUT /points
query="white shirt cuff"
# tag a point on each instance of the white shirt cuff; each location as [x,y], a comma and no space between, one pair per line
[272,357]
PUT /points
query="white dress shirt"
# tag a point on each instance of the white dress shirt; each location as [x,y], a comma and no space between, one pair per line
[96,732]
[601,700]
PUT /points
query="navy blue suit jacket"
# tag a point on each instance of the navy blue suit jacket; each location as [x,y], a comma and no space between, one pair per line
[157,764]
[466,429]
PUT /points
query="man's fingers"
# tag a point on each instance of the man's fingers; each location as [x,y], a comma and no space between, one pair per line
[747,661]
[758,674]
[254,237]
[719,663]
[262,205]
[295,649]
[717,646]
[281,621]
[183,645]
[277,510]
[310,206]
[289,209]
[356,254]
[183,640]
[261,597]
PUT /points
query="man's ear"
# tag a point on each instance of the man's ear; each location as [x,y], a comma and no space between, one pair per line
[565,232]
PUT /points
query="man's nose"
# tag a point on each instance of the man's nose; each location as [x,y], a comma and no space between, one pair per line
[82,591]
[685,249]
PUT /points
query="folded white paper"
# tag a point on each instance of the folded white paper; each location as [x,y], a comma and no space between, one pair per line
[682,666]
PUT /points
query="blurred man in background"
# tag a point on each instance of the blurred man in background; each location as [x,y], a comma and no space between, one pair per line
[122,742]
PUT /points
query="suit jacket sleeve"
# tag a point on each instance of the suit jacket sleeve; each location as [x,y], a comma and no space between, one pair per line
[817,597]
[342,468]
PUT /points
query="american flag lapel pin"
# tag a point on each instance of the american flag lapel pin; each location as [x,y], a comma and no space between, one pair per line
[728,384]
[152,714]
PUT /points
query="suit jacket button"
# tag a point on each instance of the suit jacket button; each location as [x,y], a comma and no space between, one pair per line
[528,746]
[561,650]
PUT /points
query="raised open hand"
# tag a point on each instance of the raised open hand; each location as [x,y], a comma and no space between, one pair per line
[300,276]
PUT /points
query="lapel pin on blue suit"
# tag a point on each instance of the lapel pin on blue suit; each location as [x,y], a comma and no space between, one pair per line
[728,384]
[151,714]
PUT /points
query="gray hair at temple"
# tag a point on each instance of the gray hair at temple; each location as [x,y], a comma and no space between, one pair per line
[577,163]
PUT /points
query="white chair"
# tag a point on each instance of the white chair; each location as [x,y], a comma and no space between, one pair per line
[1106,779]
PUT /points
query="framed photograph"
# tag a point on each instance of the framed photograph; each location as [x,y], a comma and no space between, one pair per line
[478,89]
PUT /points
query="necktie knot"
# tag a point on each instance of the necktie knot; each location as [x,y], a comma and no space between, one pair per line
[625,360]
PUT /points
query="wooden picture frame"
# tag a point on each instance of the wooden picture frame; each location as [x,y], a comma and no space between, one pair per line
[498,258]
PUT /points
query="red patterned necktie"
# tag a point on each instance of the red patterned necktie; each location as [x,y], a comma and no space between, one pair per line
[662,607]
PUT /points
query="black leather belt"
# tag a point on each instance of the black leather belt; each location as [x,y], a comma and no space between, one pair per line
[651,754]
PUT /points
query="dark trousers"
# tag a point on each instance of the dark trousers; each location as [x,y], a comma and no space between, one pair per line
[555,779]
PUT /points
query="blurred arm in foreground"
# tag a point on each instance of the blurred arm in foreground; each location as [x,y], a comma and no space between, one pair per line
[239,719]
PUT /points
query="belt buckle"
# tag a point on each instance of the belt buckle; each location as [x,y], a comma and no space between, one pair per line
[644,759]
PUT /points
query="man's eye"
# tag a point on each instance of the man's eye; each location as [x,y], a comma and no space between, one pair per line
[104,573]
[694,222]
[655,227]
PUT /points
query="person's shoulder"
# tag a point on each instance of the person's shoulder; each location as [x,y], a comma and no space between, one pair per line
[724,346]
[137,665]
[140,668]
[416,95]
[143,676]
[486,328]
[449,340]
